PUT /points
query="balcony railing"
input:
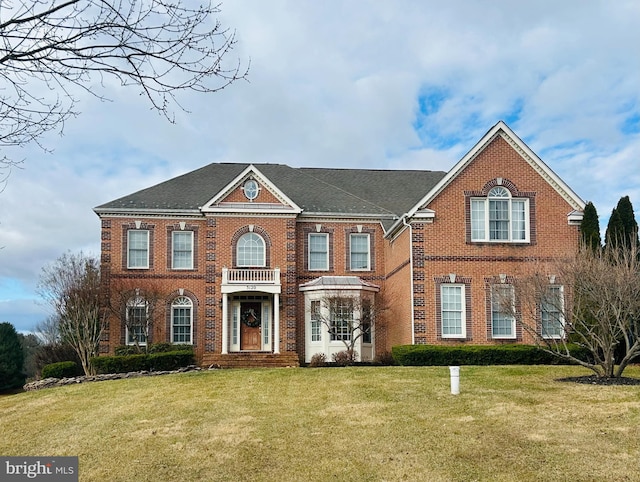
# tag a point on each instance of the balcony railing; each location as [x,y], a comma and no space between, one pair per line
[251,276]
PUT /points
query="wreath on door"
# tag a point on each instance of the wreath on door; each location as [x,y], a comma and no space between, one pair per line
[250,318]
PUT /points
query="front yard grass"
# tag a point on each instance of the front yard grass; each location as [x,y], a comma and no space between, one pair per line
[365,423]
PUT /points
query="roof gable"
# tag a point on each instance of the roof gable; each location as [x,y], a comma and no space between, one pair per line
[224,202]
[501,129]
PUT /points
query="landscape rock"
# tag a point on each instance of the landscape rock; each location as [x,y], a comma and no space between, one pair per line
[58,382]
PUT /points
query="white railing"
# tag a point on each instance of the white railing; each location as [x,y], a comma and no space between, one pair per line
[251,276]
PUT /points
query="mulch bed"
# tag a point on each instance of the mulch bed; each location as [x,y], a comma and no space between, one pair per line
[595,380]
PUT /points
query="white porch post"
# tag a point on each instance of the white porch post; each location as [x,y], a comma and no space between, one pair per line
[276,323]
[225,325]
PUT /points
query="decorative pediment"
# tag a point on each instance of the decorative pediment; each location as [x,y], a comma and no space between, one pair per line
[251,192]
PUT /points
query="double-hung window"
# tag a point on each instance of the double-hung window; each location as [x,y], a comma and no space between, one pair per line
[181,325]
[500,218]
[182,249]
[136,323]
[503,323]
[452,305]
[359,246]
[551,309]
[138,248]
[318,251]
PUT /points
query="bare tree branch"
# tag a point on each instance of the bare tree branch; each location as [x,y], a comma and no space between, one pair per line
[50,47]
[71,285]
[126,293]
[599,309]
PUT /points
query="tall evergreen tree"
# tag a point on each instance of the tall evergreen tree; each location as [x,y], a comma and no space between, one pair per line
[614,235]
[622,228]
[590,227]
[628,219]
[11,358]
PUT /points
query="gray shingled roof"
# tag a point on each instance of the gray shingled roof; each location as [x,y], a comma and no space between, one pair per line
[380,193]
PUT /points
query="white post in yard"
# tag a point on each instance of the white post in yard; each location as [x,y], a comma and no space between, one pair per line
[454,372]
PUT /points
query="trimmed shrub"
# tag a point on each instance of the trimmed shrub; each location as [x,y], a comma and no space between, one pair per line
[385,359]
[153,348]
[165,347]
[119,363]
[164,361]
[170,360]
[318,360]
[124,350]
[58,352]
[511,354]
[343,358]
[64,369]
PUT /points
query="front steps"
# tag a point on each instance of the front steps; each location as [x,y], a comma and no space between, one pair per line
[250,360]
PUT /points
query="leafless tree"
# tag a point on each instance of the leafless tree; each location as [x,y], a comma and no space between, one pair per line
[71,285]
[137,303]
[350,317]
[48,48]
[48,330]
[592,300]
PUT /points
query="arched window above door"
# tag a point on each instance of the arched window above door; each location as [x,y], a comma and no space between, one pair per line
[250,251]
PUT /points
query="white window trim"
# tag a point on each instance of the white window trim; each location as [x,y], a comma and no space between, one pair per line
[562,320]
[326,239]
[487,232]
[129,248]
[368,268]
[173,250]
[463,309]
[513,335]
[190,306]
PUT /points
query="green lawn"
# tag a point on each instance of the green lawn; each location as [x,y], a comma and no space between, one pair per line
[389,423]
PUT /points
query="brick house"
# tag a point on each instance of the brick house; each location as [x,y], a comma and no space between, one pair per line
[244,254]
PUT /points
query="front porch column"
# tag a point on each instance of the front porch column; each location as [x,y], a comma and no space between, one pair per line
[276,323]
[225,324]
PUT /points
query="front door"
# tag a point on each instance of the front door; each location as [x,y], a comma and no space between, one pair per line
[250,325]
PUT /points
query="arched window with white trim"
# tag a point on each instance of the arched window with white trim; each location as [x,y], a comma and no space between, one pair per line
[182,320]
[250,251]
[500,217]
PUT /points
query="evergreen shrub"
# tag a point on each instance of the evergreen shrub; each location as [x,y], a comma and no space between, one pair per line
[511,354]
[11,358]
[171,360]
[153,348]
[64,369]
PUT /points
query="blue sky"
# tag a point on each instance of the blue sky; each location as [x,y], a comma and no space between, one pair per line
[370,84]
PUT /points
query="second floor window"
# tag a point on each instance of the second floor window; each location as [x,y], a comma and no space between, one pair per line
[500,217]
[182,252]
[250,251]
[318,251]
[359,252]
[138,249]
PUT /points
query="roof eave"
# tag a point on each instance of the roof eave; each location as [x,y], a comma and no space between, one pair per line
[144,211]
